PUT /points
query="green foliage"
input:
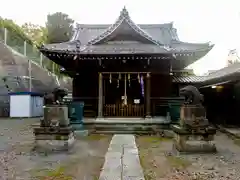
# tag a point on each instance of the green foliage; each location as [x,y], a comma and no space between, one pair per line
[36,33]
[59,27]
[16,35]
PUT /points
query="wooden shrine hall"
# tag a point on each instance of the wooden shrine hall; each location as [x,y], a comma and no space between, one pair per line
[126,69]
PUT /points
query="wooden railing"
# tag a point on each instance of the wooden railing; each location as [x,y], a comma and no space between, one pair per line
[120,110]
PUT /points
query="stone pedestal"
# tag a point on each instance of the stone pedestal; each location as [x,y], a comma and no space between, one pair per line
[193,116]
[54,114]
[54,133]
[194,133]
[54,138]
[201,141]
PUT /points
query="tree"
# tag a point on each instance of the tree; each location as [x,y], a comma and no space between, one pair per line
[36,33]
[59,27]
[16,36]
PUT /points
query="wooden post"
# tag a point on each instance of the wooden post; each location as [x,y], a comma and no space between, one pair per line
[100,96]
[148,93]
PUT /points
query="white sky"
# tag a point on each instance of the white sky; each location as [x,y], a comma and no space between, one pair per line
[217,21]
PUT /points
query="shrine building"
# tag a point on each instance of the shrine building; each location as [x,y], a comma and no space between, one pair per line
[126,69]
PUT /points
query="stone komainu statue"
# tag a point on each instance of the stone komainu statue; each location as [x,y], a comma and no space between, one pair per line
[56,97]
[192,95]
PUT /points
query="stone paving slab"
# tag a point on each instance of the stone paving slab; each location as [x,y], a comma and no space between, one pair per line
[122,160]
[235,132]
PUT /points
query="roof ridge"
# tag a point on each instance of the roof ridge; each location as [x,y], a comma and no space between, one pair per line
[124,15]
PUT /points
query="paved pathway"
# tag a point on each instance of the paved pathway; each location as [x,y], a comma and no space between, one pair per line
[122,161]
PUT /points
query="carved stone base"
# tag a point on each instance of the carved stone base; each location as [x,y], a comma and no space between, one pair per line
[54,114]
[54,139]
[198,142]
[193,116]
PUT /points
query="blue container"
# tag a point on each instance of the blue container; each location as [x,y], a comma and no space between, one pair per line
[75,110]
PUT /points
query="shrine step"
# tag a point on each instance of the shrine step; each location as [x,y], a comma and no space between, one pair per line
[164,133]
[126,127]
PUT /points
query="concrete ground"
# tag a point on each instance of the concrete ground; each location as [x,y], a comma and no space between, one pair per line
[19,160]
[160,163]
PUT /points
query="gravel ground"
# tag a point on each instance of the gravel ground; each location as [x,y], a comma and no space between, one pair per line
[19,160]
[160,163]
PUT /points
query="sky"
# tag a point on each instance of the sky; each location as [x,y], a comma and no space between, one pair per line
[217,21]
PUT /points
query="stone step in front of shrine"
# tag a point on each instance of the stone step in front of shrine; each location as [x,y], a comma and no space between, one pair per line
[127,126]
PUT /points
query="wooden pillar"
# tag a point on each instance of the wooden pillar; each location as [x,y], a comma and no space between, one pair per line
[100,96]
[148,94]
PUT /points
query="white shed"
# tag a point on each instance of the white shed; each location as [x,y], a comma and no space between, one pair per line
[26,104]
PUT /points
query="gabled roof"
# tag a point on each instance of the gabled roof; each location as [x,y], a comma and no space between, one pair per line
[163,33]
[124,26]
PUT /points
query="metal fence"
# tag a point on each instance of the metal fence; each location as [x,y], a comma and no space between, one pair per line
[23,68]
[26,54]
[21,46]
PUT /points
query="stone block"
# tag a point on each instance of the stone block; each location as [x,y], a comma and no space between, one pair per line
[168,133]
[193,143]
[56,113]
[54,138]
[77,126]
[193,116]
[81,132]
[52,143]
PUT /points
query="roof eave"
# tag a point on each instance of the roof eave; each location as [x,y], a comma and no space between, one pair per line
[200,53]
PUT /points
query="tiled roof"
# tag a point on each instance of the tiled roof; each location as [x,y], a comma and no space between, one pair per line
[227,71]
[161,32]
[222,75]
[122,25]
[124,49]
[188,79]
[154,38]
[164,36]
